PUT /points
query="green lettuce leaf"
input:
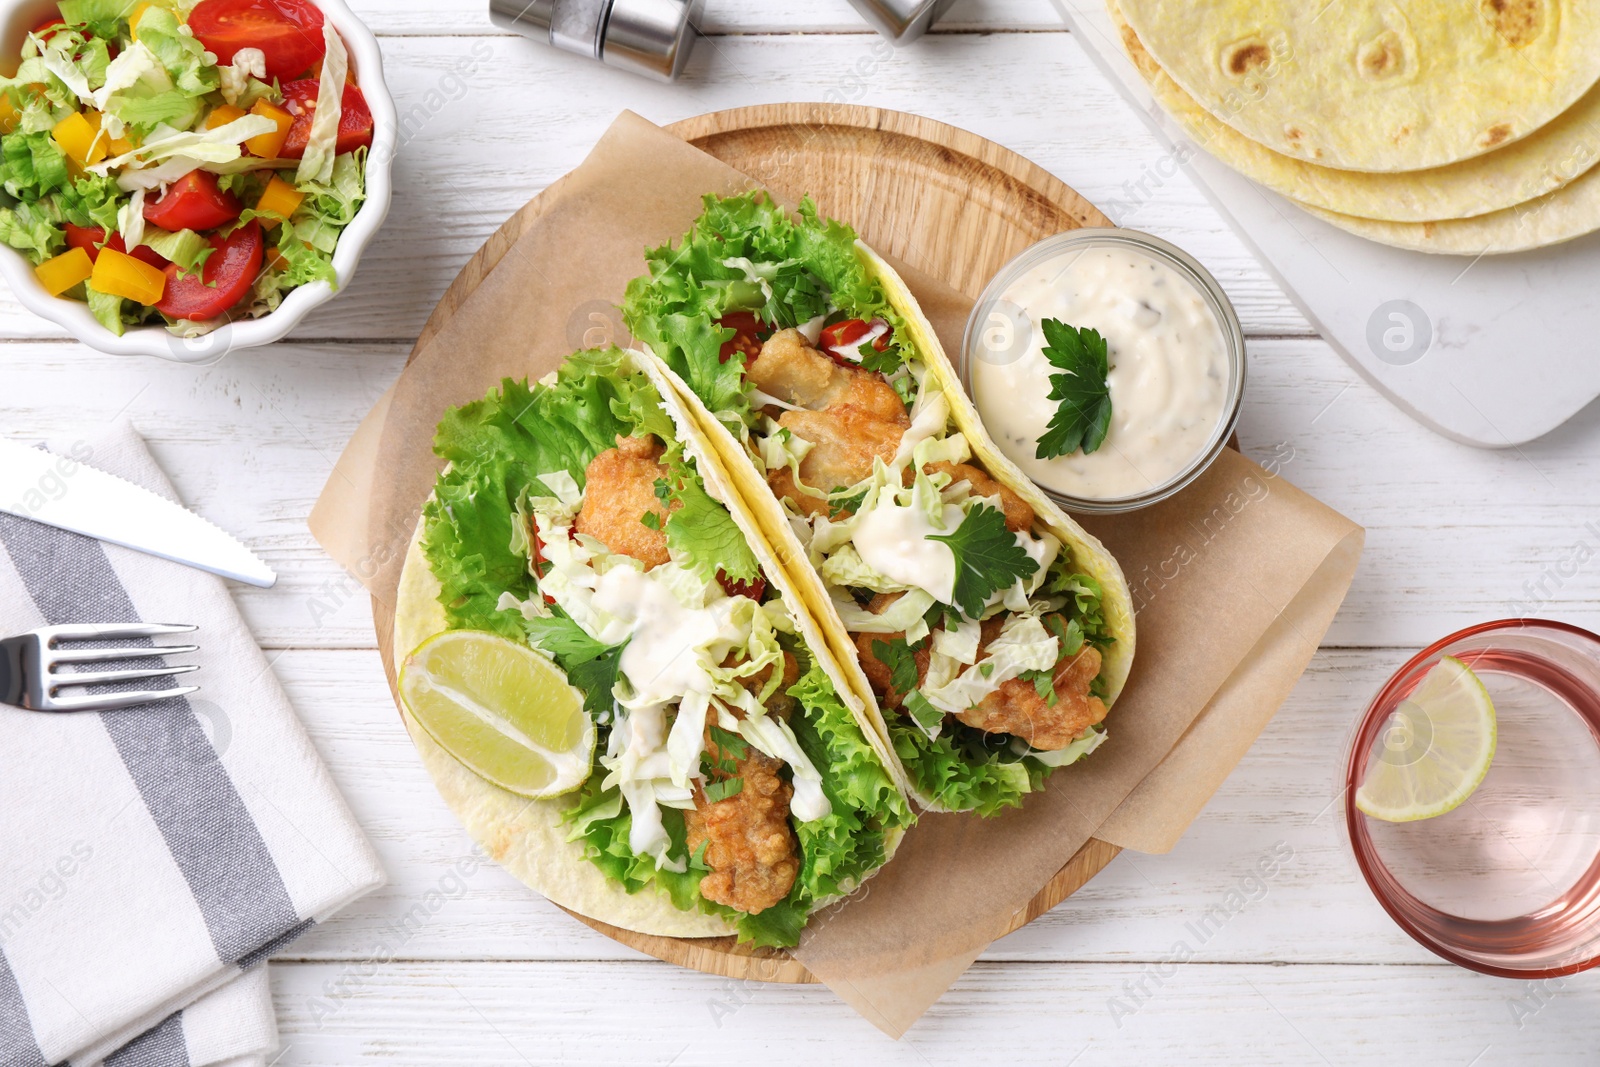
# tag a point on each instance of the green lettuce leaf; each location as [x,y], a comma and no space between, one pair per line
[181,55]
[102,16]
[32,165]
[185,248]
[92,201]
[705,535]
[107,309]
[34,229]
[497,448]
[960,770]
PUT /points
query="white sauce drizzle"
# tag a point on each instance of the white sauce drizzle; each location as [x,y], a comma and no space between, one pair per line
[893,539]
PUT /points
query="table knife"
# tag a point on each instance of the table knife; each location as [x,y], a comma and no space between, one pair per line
[63,492]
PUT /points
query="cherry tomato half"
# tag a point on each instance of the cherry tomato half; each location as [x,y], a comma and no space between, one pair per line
[752,589]
[847,335]
[226,278]
[288,31]
[92,239]
[355,118]
[193,202]
[538,552]
[749,332]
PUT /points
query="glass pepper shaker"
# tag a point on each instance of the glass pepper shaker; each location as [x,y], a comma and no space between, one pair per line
[649,37]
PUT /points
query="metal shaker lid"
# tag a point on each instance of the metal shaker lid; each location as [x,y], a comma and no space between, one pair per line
[649,37]
[527,17]
[902,21]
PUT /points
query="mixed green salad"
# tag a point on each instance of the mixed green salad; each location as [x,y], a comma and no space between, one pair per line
[182,163]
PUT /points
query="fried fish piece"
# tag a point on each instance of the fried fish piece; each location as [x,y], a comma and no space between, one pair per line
[749,844]
[1019,514]
[845,440]
[849,415]
[794,371]
[620,492]
[1017,709]
[878,672]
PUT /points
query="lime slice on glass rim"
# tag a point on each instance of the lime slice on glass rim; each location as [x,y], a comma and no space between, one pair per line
[502,710]
[1434,750]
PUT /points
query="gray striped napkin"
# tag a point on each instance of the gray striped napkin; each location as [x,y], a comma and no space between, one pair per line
[151,859]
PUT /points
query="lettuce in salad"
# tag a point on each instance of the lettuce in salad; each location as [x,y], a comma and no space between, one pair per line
[140,114]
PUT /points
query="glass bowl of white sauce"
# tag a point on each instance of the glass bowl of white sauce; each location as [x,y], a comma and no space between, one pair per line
[1174,347]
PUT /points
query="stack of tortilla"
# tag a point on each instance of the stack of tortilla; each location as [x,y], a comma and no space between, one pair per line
[1450,126]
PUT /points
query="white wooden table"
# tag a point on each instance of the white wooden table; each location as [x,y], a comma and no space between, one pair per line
[455,962]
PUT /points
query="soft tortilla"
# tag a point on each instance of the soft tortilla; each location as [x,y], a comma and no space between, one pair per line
[1377,85]
[527,837]
[1087,550]
[1570,212]
[1538,164]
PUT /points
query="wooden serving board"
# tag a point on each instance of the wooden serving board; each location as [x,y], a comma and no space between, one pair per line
[945,201]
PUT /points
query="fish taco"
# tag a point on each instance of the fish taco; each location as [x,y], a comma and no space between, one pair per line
[737,783]
[989,631]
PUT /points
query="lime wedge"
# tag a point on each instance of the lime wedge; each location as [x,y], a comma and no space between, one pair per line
[500,708]
[1434,750]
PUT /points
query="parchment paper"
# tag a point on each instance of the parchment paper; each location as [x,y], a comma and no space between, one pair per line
[1235,581]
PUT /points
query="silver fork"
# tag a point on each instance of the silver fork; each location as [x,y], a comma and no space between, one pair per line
[29,677]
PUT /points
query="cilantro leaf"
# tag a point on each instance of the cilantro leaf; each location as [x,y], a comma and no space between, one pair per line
[563,639]
[728,787]
[1043,684]
[900,657]
[1084,416]
[988,558]
[591,666]
[731,744]
[595,679]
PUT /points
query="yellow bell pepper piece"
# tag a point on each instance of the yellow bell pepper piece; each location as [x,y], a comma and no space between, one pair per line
[268,145]
[279,198]
[133,19]
[79,137]
[224,114]
[122,275]
[120,146]
[64,271]
[8,114]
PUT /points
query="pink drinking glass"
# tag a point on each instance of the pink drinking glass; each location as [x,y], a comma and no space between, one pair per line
[1509,882]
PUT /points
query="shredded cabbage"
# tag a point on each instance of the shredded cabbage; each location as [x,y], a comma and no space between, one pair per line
[317,164]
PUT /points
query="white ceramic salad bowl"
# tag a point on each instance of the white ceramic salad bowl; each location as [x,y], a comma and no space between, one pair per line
[17,17]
